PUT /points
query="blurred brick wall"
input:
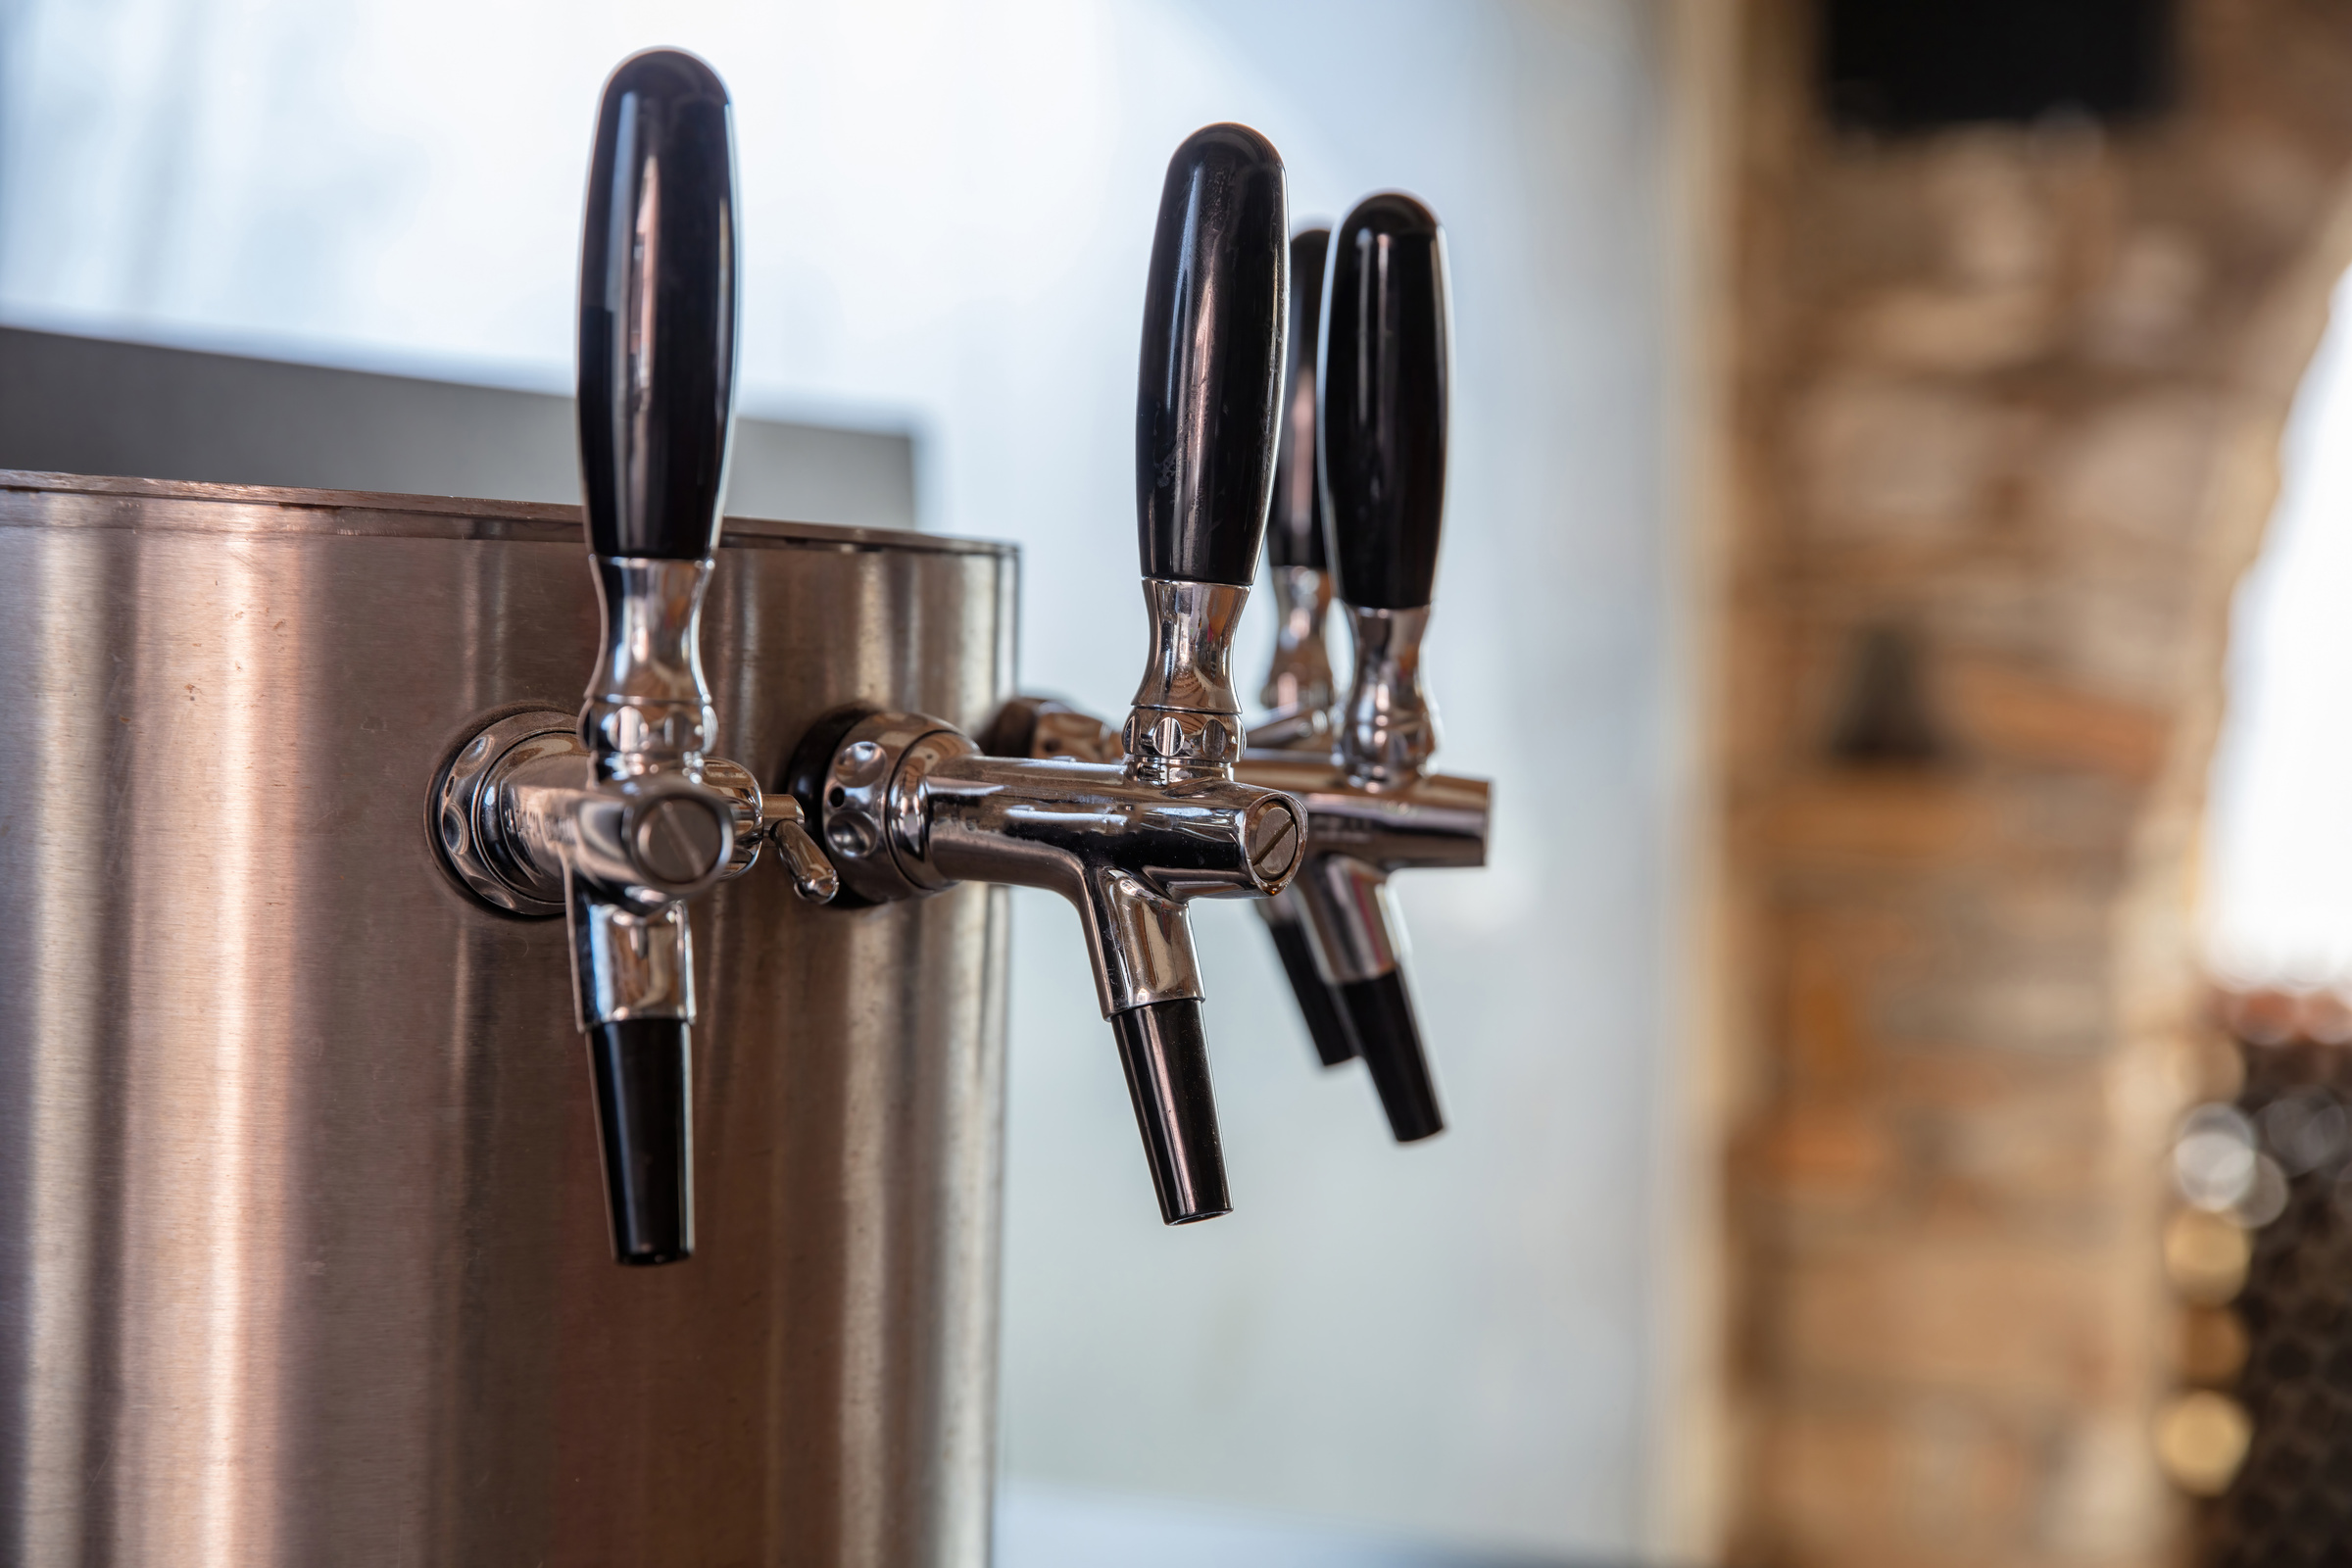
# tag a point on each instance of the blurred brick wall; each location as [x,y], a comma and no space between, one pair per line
[2005,408]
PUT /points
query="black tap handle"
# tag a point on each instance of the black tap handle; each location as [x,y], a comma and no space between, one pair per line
[1294,532]
[1380,1021]
[1380,414]
[1210,381]
[656,343]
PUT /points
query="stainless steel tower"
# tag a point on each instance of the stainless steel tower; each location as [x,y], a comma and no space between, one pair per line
[307,1261]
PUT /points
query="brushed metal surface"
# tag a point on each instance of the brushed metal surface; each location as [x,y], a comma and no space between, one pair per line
[305,1261]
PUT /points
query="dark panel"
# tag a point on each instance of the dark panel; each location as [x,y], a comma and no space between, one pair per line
[80,405]
[1916,65]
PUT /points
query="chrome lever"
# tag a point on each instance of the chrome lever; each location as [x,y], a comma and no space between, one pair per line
[783,825]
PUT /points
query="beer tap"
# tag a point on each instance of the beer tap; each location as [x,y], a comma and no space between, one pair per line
[1298,690]
[1369,523]
[617,819]
[909,806]
[1373,808]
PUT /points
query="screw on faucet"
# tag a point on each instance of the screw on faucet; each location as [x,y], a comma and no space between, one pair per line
[1274,839]
[679,839]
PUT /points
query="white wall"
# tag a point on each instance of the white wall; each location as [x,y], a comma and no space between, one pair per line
[947,212]
[2279,861]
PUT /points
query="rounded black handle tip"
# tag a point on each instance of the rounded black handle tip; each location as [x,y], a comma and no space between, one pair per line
[1295,530]
[1326,1026]
[1165,1053]
[1380,1016]
[1215,307]
[1383,393]
[657,313]
[643,1069]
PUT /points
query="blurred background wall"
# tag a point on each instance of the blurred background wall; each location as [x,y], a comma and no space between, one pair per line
[2023,296]
[947,212]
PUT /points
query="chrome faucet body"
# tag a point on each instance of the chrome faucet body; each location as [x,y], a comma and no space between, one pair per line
[648,708]
[1298,693]
[907,805]
[1359,832]
[1340,935]
[1186,719]
[911,805]
[644,725]
[1356,838]
[1386,730]
[538,824]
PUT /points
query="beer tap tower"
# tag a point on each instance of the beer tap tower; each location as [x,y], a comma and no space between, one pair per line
[317,1202]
